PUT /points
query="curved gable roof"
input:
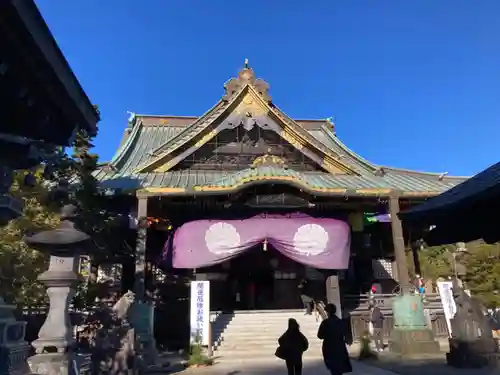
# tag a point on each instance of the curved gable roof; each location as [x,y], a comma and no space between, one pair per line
[149,140]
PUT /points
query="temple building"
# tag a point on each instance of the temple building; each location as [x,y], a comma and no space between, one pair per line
[256,201]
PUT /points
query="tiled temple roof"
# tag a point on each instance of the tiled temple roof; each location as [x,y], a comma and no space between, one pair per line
[151,140]
[145,138]
[474,191]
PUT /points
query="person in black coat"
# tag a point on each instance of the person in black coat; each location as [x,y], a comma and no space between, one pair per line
[377,320]
[306,296]
[332,332]
[292,345]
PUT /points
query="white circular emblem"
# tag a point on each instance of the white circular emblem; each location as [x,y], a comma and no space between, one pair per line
[222,238]
[310,239]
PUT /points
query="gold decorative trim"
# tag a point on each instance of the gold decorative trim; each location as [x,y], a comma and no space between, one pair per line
[161,190]
[421,193]
[205,138]
[267,159]
[255,102]
[295,138]
[373,191]
[250,105]
[290,139]
[330,167]
[242,181]
[164,168]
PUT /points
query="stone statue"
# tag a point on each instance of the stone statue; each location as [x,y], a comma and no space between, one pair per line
[469,323]
[110,338]
[472,344]
[122,307]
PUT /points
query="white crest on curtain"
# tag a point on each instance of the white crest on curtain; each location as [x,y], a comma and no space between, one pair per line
[310,239]
[222,238]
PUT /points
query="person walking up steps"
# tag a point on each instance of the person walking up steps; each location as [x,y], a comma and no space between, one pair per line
[377,320]
[305,296]
[292,345]
[331,331]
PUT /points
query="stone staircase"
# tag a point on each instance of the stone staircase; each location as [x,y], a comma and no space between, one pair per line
[254,334]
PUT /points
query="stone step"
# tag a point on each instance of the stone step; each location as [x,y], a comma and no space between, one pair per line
[254,334]
[257,330]
[260,327]
[261,345]
[269,315]
[256,323]
[284,318]
[260,354]
[258,344]
[280,322]
[263,327]
[247,335]
[244,335]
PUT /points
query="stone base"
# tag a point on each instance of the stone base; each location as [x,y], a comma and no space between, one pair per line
[13,359]
[146,352]
[407,343]
[60,364]
[473,354]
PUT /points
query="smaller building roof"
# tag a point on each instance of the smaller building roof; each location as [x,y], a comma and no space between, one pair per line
[483,186]
[463,213]
[30,51]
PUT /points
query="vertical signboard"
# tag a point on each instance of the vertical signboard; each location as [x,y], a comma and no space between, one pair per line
[445,289]
[200,311]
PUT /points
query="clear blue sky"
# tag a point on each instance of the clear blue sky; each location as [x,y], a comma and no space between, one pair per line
[413,84]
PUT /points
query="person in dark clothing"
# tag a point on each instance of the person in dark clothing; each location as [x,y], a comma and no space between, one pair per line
[305,296]
[377,320]
[293,344]
[332,332]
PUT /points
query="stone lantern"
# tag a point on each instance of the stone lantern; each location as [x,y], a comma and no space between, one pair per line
[55,343]
[13,348]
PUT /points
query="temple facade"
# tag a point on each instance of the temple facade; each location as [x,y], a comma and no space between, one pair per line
[229,194]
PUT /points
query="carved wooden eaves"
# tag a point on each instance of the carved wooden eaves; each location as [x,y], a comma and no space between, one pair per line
[246,99]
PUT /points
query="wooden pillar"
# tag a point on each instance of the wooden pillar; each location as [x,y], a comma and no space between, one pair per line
[333,293]
[399,245]
[140,249]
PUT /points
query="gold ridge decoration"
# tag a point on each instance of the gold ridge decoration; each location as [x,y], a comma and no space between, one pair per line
[268,160]
[421,193]
[249,105]
[244,180]
[330,167]
[290,139]
[161,190]
[164,168]
[373,191]
[205,138]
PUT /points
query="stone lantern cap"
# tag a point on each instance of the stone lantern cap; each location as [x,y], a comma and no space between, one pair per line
[66,238]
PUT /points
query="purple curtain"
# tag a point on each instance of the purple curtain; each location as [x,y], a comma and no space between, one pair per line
[317,242]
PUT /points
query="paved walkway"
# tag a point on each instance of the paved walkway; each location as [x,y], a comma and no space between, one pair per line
[277,367]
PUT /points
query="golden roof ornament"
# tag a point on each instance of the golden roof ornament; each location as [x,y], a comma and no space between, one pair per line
[246,76]
[269,160]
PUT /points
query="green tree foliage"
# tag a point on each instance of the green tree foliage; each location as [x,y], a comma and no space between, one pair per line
[19,264]
[96,217]
[434,261]
[481,263]
[483,272]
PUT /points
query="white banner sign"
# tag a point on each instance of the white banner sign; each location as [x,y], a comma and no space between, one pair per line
[200,311]
[445,289]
